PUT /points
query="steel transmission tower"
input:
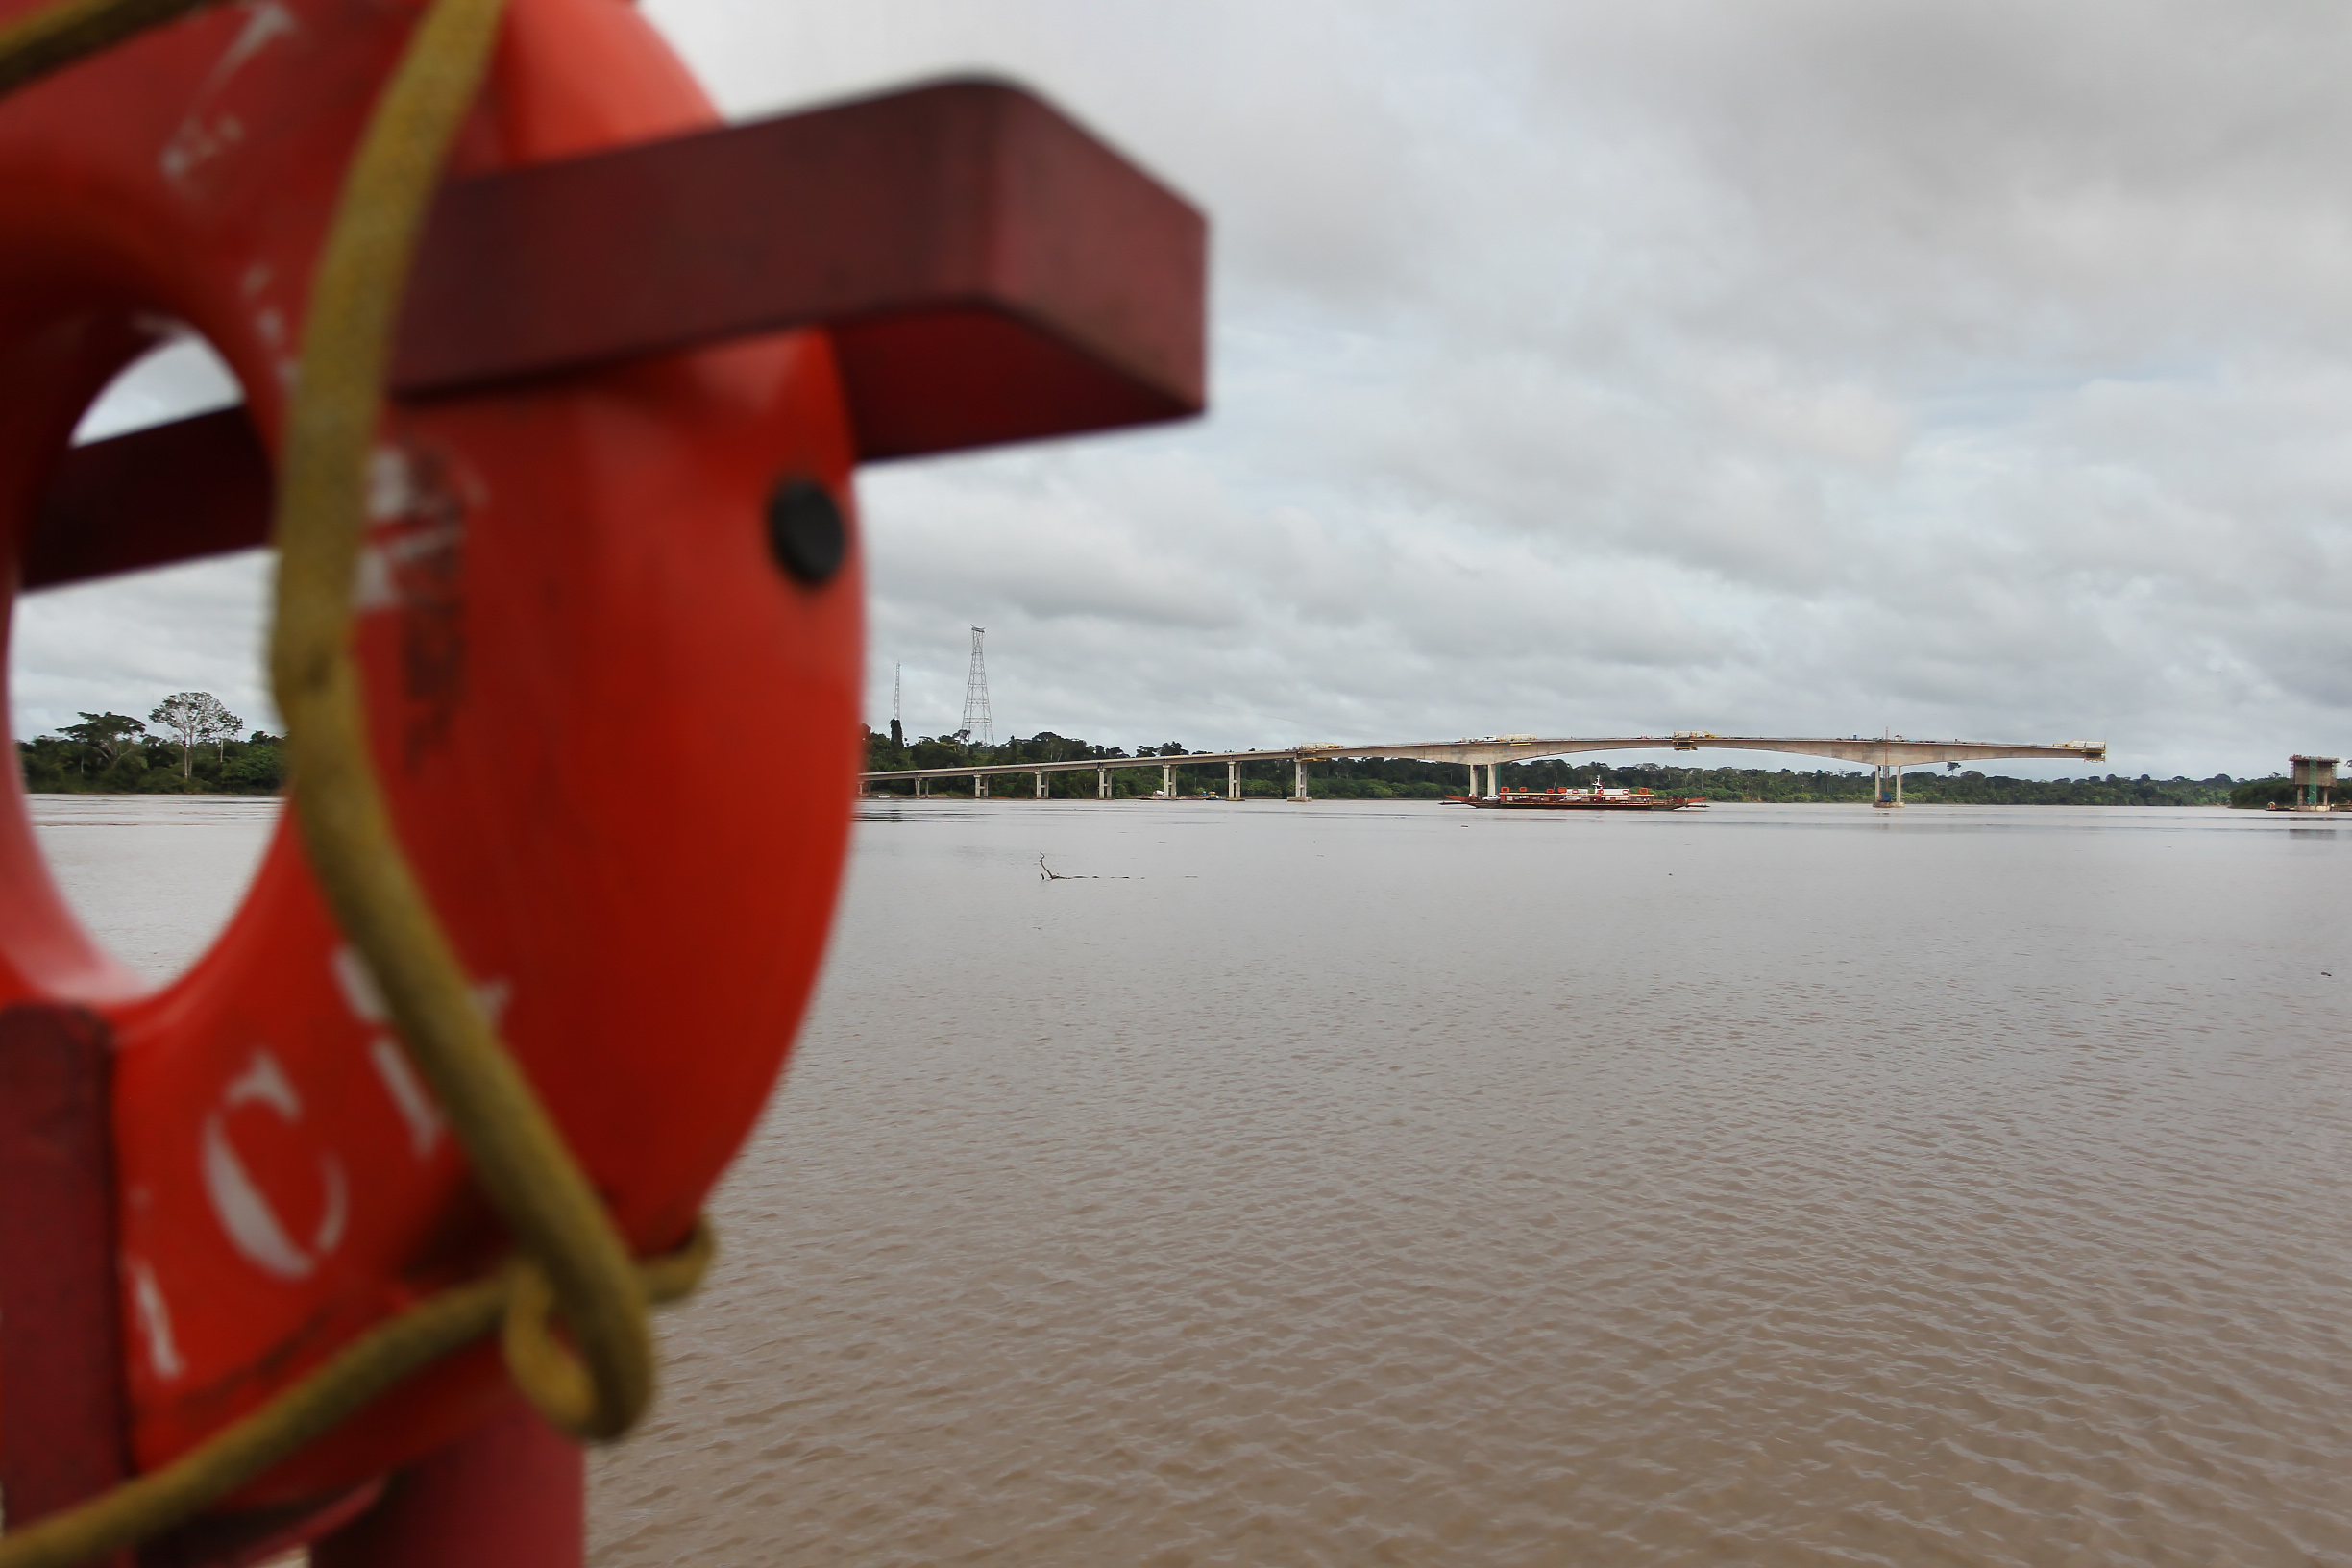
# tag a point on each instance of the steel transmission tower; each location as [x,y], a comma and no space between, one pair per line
[978,726]
[897,707]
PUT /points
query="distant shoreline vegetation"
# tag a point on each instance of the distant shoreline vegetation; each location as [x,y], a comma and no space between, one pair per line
[1399,780]
[111,753]
[194,749]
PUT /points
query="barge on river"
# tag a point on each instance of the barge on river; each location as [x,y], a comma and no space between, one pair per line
[1592,799]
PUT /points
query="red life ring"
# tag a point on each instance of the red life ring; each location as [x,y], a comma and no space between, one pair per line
[616,722]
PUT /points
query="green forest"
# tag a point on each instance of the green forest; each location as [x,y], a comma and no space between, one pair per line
[1387,780]
[189,744]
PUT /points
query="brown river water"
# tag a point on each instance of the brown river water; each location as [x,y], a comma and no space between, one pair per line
[1355,1184]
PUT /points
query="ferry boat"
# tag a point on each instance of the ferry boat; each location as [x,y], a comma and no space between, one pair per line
[1592,799]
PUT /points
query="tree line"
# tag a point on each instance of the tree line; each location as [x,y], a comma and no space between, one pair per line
[1398,779]
[193,749]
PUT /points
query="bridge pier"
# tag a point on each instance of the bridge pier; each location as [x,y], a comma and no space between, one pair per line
[2314,782]
[1102,783]
[1167,781]
[1298,778]
[1041,778]
[1233,781]
[979,786]
[1886,787]
[919,787]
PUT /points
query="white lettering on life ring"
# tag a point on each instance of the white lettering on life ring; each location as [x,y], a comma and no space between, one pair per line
[154,1320]
[415,1101]
[242,1209]
[359,987]
[393,1068]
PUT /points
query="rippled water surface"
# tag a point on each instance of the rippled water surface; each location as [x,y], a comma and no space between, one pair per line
[1347,1185]
[154,876]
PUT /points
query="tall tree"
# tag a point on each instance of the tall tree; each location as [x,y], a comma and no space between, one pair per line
[191,719]
[109,734]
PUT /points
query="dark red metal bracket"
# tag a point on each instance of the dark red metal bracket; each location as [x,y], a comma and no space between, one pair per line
[990,273]
[196,487]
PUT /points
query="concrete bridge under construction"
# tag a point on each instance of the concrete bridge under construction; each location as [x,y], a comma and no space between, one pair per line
[1887,755]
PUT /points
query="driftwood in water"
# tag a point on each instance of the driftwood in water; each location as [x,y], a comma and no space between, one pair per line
[1048,873]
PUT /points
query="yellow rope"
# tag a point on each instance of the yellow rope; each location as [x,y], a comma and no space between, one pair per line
[570,1259]
[55,36]
[517,1154]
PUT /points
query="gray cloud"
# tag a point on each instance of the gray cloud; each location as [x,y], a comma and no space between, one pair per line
[1784,367]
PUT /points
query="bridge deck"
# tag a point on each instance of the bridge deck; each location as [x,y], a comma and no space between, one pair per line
[1890,751]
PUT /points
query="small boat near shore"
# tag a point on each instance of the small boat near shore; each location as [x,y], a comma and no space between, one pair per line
[1592,799]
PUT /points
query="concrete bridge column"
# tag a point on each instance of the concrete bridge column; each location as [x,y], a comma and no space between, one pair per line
[979,786]
[1041,778]
[1233,781]
[1298,778]
[1167,781]
[1474,779]
[919,788]
[1102,783]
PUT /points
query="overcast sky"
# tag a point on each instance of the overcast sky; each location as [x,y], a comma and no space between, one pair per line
[1973,370]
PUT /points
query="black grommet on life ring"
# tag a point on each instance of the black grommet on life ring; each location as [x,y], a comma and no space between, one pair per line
[805,531]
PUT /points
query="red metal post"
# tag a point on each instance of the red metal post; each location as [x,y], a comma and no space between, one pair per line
[510,1494]
[62,1435]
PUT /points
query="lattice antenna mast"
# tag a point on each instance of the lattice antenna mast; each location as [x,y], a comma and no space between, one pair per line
[897,695]
[978,727]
